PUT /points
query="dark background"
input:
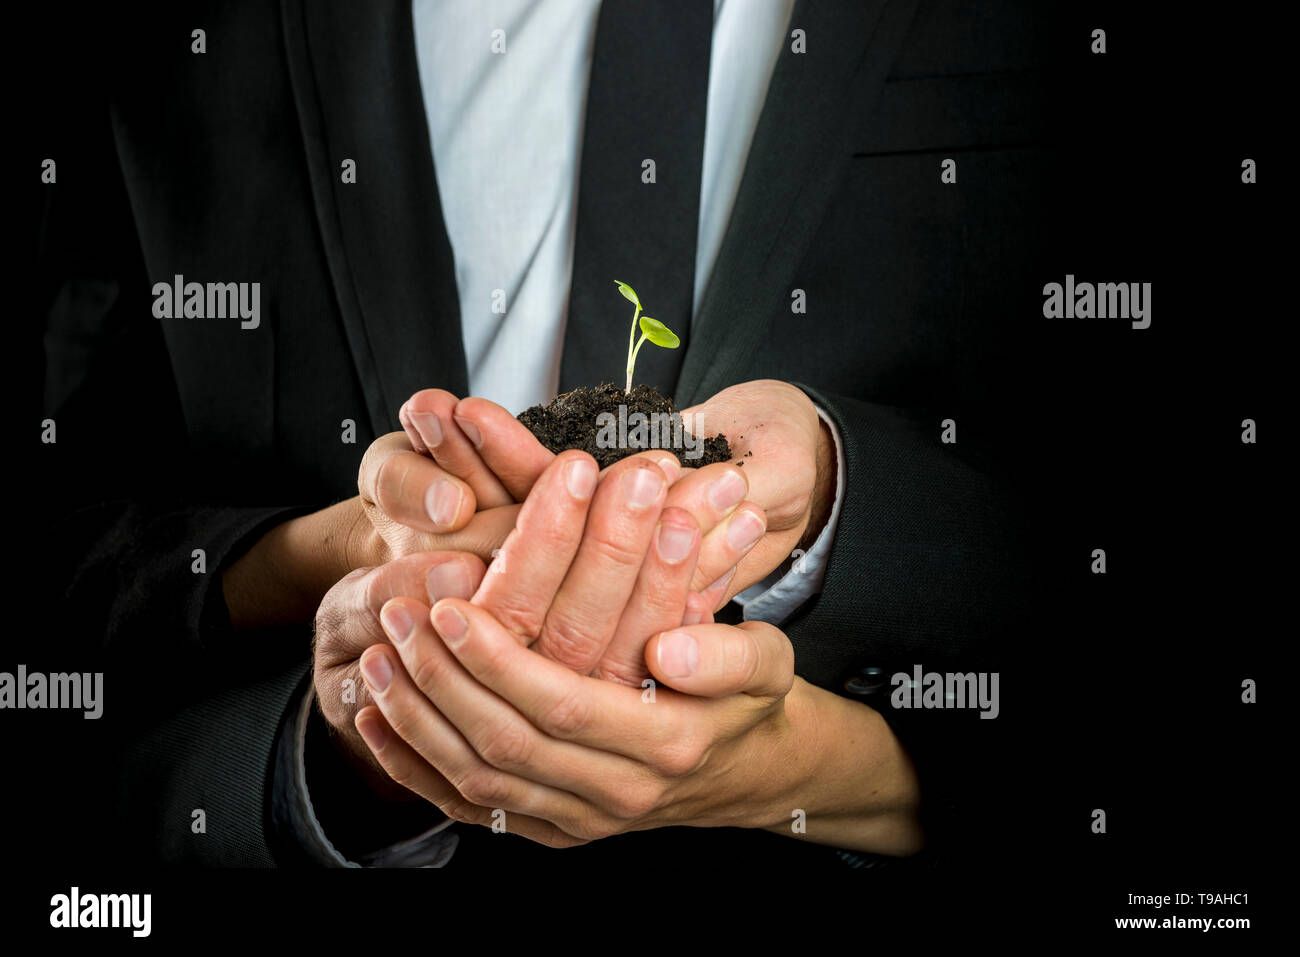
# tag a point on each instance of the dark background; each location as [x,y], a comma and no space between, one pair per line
[1126,696]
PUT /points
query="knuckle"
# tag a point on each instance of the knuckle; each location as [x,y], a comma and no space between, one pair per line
[569,644]
[515,612]
[635,802]
[495,663]
[665,602]
[404,775]
[592,826]
[485,787]
[615,553]
[680,756]
[428,672]
[336,606]
[403,723]
[331,617]
[622,672]
[506,745]
[568,717]
[464,812]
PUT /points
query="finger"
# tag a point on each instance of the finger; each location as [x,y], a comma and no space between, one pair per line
[413,436]
[667,462]
[410,489]
[414,719]
[715,596]
[497,732]
[713,661]
[348,621]
[533,561]
[401,762]
[582,619]
[728,543]
[512,452]
[699,609]
[559,702]
[659,598]
[484,536]
[432,413]
[711,493]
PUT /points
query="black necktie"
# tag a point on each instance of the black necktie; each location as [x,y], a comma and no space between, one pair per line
[646,101]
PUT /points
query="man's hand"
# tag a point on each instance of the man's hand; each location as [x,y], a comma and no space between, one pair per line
[347,623]
[475,723]
[406,504]
[789,460]
[592,570]
[595,566]
[477,440]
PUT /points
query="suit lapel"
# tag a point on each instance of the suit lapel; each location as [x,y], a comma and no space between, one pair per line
[356,84]
[816,104]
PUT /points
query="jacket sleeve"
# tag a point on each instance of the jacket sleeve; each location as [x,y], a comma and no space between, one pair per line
[927,570]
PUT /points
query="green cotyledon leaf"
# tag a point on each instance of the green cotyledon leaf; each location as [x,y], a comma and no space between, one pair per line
[659,334]
[628,292]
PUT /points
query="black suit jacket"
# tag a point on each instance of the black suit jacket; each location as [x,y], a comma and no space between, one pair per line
[225,167]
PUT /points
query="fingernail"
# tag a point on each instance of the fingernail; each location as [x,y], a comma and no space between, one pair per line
[580,478]
[727,491]
[721,584]
[670,467]
[442,501]
[427,424]
[678,655]
[450,623]
[397,622]
[448,580]
[745,529]
[471,431]
[377,672]
[675,542]
[372,733]
[641,487]
[691,616]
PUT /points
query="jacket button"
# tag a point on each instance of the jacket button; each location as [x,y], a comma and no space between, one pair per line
[866,682]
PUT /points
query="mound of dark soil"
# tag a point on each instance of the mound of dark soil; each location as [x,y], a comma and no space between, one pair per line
[611,424]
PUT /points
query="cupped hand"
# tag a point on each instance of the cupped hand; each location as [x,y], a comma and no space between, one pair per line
[788,458]
[479,725]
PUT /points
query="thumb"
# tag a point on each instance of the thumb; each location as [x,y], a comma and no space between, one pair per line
[715,660]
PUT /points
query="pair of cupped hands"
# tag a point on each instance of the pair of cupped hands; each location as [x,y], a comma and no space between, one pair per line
[576,679]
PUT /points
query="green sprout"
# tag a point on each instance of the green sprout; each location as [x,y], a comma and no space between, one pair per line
[651,329]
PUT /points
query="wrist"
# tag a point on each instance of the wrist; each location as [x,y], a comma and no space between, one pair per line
[283,577]
[858,788]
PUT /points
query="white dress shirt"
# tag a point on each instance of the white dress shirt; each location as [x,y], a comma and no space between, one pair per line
[506,131]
